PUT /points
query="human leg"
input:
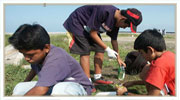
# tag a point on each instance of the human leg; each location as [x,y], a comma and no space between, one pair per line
[98,60]
[68,88]
[23,87]
[80,45]
[85,64]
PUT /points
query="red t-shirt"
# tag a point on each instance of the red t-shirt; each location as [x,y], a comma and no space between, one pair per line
[162,70]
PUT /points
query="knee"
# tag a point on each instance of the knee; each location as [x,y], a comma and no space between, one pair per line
[60,89]
[99,55]
[18,89]
[23,87]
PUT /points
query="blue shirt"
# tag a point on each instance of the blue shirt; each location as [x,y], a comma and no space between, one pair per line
[59,66]
[93,17]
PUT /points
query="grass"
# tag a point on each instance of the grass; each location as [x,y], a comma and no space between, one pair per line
[16,74]
[13,75]
[6,39]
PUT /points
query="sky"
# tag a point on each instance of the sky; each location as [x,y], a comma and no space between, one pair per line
[52,17]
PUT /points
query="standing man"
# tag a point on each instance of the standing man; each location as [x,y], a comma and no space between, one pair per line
[84,26]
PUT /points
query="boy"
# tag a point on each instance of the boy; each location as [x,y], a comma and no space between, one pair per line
[161,72]
[84,26]
[136,64]
[58,73]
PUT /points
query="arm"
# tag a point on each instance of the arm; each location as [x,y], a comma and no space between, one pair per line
[30,76]
[94,35]
[131,83]
[152,91]
[115,47]
[121,90]
[37,90]
[111,53]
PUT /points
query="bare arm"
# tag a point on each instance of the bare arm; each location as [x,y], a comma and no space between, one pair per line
[30,76]
[111,53]
[94,35]
[121,90]
[131,83]
[152,90]
[115,47]
[37,91]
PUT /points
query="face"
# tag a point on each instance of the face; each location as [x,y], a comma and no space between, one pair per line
[149,56]
[122,23]
[35,56]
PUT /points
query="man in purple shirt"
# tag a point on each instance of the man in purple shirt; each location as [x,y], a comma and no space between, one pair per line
[58,72]
[84,26]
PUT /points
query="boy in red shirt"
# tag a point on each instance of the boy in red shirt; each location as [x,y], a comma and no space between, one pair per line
[151,45]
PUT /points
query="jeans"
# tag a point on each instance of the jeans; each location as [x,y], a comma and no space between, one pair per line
[61,88]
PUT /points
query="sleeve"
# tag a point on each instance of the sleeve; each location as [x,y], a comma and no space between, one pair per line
[55,70]
[114,33]
[156,77]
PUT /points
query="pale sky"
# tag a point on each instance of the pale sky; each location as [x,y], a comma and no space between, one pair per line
[52,17]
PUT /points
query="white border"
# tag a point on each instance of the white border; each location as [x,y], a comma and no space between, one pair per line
[2,2]
[1,49]
[177,49]
[91,1]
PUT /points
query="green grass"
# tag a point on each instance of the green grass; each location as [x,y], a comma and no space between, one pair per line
[170,36]
[15,74]
[6,39]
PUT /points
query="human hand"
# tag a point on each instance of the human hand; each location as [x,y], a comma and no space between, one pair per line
[111,53]
[121,63]
[120,90]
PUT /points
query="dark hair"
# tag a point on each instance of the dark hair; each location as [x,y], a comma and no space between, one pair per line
[150,38]
[134,63]
[30,37]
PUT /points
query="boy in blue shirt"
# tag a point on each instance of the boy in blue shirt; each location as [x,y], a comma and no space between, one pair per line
[84,26]
[58,72]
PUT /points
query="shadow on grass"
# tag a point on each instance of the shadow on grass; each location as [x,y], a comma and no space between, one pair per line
[92,72]
[133,91]
[104,88]
[110,76]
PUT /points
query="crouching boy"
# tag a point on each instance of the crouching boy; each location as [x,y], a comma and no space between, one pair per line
[161,72]
[58,73]
[136,64]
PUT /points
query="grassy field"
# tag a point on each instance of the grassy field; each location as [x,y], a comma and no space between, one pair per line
[15,74]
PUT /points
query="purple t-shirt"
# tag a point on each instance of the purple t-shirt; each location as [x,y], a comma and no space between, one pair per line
[95,17]
[59,66]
